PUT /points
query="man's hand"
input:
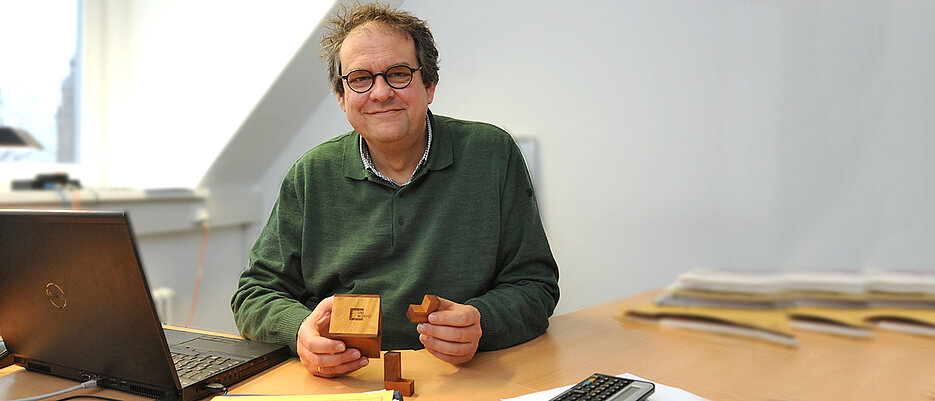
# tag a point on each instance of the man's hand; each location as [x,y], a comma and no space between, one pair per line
[452,332]
[323,356]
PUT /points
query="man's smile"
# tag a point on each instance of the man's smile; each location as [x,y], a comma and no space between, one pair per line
[384,112]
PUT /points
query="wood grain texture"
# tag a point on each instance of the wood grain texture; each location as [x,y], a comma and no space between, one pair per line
[890,366]
[420,313]
[406,387]
[392,366]
[355,314]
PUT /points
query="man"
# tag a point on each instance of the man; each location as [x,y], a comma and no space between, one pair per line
[407,204]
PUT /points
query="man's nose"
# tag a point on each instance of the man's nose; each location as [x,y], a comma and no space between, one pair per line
[381,90]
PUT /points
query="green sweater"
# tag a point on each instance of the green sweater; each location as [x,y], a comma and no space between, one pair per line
[467,228]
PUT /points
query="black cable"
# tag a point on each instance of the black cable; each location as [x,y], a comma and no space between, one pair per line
[97,197]
[94,397]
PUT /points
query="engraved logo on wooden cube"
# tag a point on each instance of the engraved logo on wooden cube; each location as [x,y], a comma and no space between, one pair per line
[356,319]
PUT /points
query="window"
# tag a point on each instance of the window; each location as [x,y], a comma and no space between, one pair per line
[39,78]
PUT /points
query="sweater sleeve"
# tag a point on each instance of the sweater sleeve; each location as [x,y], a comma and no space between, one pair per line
[268,304]
[525,291]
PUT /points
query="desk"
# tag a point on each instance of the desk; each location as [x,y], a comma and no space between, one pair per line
[892,366]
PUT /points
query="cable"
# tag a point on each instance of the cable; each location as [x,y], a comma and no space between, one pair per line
[93,397]
[97,197]
[201,269]
[61,193]
[87,384]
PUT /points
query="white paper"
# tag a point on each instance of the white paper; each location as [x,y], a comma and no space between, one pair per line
[662,393]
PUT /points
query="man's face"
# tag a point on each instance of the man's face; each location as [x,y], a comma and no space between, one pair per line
[383,115]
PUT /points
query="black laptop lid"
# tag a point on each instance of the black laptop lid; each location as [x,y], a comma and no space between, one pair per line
[73,297]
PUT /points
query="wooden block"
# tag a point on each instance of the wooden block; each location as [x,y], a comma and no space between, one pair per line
[420,313]
[406,387]
[355,314]
[392,366]
[369,346]
[392,375]
[358,321]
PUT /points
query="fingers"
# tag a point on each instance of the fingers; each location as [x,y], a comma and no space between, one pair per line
[315,327]
[342,369]
[453,332]
[326,303]
[322,315]
[329,358]
[452,359]
[454,314]
[332,365]
[448,348]
[321,345]
[323,356]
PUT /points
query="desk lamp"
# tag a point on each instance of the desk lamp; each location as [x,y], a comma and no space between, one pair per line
[17,138]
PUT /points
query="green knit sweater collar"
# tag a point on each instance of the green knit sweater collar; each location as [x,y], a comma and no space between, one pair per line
[439,156]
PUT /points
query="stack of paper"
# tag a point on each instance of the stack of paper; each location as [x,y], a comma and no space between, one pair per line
[902,300]
[843,321]
[746,303]
[901,289]
[916,321]
[768,324]
[829,301]
[769,304]
[825,288]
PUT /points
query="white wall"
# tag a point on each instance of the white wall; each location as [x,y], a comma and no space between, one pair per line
[671,134]
[675,134]
[170,81]
[722,133]
[167,85]
[171,260]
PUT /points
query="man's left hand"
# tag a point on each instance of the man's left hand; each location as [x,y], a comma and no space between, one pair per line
[452,332]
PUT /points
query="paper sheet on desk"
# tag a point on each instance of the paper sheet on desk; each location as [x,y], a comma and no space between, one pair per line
[662,393]
[383,395]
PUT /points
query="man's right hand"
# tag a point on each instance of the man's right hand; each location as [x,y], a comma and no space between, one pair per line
[323,356]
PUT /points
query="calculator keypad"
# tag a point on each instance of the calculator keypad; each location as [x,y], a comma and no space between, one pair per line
[598,387]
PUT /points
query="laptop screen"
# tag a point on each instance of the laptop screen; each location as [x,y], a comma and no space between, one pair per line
[74,300]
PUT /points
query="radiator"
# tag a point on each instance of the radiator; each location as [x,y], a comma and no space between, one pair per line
[164,298]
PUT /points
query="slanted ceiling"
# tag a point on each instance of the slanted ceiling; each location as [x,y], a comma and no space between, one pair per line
[278,116]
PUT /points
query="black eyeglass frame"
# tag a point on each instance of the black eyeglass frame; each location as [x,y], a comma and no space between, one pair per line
[412,73]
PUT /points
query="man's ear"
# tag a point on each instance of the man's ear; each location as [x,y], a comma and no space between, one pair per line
[430,92]
[340,98]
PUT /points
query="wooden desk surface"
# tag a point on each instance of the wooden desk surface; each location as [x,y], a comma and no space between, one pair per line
[891,366]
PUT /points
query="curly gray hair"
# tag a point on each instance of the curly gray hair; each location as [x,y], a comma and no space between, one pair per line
[345,20]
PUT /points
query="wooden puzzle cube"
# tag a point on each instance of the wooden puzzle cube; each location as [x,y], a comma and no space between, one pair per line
[358,321]
[420,313]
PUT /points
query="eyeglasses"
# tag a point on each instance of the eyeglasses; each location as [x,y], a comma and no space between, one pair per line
[397,77]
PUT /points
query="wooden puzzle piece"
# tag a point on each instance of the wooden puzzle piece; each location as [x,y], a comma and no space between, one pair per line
[358,321]
[420,313]
[392,375]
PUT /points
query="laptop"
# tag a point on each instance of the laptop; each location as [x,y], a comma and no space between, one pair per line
[74,303]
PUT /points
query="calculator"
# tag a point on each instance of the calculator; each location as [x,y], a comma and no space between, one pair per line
[600,387]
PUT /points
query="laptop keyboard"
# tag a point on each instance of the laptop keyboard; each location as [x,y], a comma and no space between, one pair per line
[195,367]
